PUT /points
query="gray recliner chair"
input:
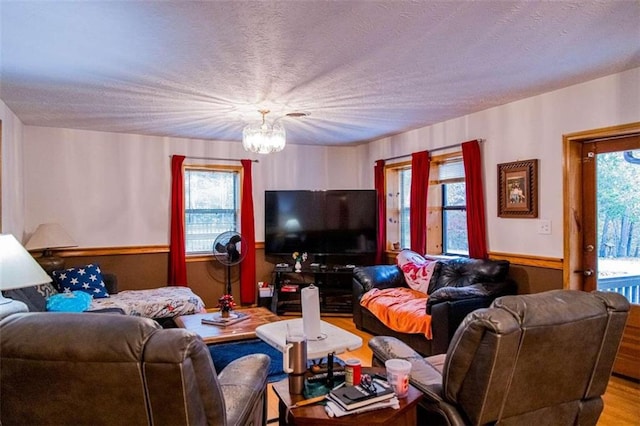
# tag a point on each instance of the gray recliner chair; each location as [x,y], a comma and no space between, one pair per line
[538,359]
[97,369]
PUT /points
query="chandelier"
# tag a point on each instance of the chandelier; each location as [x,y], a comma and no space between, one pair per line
[263,138]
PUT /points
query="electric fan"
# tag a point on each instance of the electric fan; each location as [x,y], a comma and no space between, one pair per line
[229,248]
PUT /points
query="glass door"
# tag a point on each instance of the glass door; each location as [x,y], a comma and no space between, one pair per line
[611,246]
[618,235]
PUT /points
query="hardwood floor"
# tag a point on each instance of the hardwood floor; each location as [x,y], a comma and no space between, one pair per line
[621,401]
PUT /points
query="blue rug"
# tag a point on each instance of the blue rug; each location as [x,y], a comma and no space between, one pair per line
[222,354]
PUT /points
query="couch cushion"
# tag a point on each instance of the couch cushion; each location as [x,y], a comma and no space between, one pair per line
[418,271]
[35,297]
[86,278]
[401,309]
[462,272]
[162,302]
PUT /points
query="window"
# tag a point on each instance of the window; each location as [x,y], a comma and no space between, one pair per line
[211,205]
[454,219]
[405,204]
[447,210]
[450,173]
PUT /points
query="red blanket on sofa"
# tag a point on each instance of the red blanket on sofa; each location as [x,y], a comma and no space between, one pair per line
[399,308]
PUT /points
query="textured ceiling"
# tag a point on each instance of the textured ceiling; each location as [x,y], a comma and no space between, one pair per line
[361,69]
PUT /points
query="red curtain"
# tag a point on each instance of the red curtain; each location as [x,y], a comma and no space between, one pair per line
[476,226]
[420,163]
[378,176]
[177,258]
[248,266]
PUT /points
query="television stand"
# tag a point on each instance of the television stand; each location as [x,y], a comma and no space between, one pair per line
[334,286]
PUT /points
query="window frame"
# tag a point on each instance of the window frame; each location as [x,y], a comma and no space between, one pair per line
[393,202]
[435,208]
[450,208]
[402,210]
[238,170]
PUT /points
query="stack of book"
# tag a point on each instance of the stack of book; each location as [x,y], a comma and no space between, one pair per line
[357,399]
[220,321]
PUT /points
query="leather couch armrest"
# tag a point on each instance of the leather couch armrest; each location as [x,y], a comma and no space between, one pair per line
[244,386]
[453,304]
[111,282]
[448,294]
[367,277]
[424,375]
[447,316]
[379,276]
[489,290]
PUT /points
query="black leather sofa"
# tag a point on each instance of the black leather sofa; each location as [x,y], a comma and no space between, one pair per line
[458,286]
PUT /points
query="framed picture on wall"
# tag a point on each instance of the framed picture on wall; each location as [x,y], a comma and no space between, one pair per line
[518,189]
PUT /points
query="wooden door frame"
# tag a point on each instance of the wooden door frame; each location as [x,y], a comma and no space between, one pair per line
[572,203]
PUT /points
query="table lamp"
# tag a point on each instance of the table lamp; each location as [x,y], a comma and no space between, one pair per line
[50,236]
[18,268]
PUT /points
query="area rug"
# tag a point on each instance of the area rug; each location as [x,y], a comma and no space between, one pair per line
[222,354]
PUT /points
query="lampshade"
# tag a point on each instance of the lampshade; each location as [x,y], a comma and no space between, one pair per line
[18,268]
[49,236]
[263,138]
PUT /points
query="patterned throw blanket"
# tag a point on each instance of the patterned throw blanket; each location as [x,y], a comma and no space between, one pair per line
[163,302]
[401,309]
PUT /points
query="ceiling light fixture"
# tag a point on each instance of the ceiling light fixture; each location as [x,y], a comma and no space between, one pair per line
[263,138]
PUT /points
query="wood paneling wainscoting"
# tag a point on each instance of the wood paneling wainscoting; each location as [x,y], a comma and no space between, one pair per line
[144,267]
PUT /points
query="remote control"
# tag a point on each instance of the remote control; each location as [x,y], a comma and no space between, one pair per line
[323,376]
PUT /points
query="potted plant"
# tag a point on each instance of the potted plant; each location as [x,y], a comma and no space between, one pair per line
[226,305]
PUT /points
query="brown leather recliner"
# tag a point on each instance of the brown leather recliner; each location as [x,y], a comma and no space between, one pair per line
[97,369]
[530,359]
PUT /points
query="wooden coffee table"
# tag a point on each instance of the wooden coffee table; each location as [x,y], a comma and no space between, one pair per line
[243,330]
[315,415]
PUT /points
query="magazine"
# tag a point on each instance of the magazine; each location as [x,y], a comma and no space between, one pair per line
[217,319]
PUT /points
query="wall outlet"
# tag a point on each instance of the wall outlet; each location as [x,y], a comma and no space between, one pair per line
[544,226]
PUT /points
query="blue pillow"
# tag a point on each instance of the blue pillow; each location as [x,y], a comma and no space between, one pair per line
[75,301]
[86,278]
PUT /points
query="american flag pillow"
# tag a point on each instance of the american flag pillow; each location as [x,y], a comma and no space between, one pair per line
[86,278]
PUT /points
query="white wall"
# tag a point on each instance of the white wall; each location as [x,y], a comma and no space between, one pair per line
[523,130]
[12,174]
[110,189]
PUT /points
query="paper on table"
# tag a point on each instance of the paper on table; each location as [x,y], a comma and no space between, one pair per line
[311,312]
[334,410]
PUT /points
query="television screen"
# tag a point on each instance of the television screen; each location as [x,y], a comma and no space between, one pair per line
[336,222]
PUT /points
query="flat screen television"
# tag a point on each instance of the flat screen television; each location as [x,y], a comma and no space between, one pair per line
[321,223]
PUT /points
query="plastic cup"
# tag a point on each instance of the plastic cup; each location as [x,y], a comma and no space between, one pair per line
[398,371]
